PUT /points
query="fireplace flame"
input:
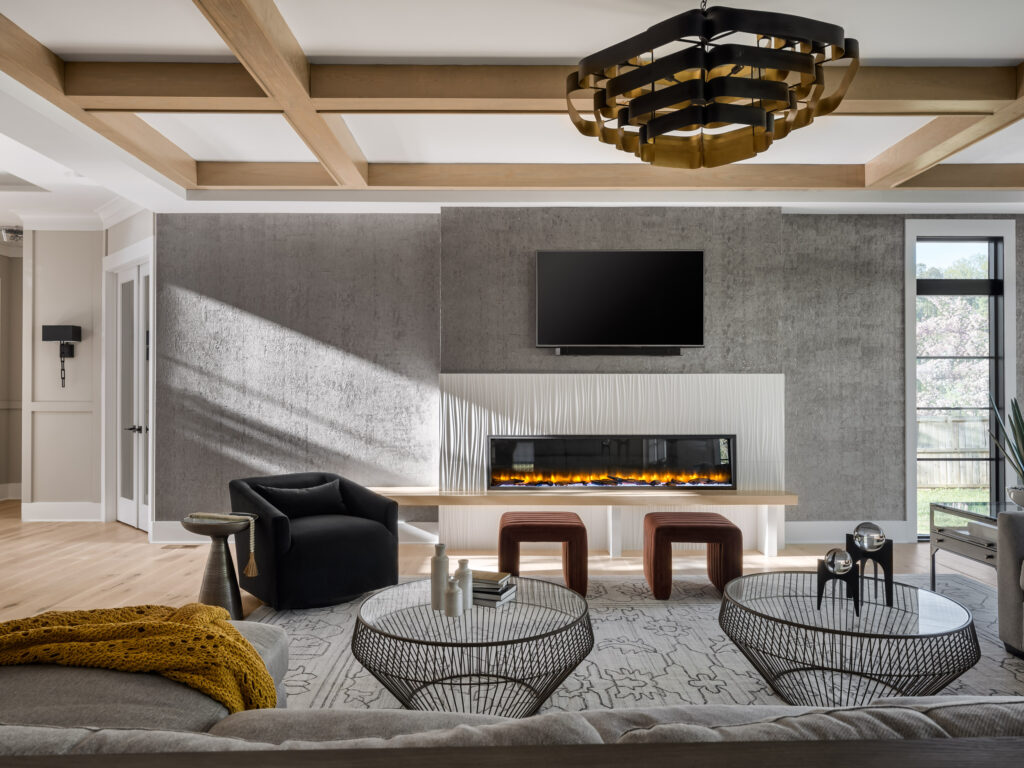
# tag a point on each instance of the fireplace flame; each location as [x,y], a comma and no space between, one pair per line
[654,479]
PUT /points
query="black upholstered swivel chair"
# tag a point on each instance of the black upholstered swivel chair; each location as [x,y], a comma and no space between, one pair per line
[320,539]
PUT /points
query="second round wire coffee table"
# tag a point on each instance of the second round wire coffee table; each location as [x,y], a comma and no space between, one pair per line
[502,661]
[833,657]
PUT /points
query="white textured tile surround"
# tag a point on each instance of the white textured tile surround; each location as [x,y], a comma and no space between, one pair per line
[473,406]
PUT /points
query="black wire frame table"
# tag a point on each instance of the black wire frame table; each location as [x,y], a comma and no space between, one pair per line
[832,657]
[502,661]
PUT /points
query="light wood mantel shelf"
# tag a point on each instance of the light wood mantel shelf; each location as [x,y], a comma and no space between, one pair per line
[582,497]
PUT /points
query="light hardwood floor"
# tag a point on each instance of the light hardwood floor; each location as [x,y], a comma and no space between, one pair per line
[64,566]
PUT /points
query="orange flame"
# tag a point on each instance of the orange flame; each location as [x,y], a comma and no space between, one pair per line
[610,478]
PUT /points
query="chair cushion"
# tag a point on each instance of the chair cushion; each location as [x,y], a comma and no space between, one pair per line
[305,502]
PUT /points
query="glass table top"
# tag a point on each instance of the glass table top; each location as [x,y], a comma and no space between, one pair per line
[980,508]
[791,596]
[539,608]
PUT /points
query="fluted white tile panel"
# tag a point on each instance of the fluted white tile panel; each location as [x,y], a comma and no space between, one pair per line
[474,406]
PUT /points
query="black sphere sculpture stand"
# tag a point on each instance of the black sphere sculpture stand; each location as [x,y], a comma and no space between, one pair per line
[881,557]
[851,578]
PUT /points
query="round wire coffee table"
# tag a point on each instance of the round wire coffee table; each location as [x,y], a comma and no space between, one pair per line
[498,661]
[832,657]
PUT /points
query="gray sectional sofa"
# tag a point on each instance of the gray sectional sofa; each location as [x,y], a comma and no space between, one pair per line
[47,710]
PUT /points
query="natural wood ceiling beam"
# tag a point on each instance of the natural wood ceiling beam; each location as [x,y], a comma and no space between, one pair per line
[967,176]
[926,147]
[257,34]
[130,130]
[222,175]
[164,87]
[201,87]
[432,88]
[926,90]
[35,66]
[939,140]
[538,176]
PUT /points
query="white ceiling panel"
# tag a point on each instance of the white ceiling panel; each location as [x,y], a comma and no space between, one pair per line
[439,138]
[109,30]
[839,139]
[1007,146]
[431,138]
[563,31]
[232,137]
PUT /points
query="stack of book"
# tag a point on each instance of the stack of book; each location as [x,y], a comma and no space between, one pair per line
[492,590]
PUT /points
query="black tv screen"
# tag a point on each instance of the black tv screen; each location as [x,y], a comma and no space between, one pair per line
[620,298]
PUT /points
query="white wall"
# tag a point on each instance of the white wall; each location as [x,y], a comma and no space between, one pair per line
[62,283]
[10,372]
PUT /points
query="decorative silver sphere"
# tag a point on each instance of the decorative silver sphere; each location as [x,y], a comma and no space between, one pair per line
[868,537]
[838,561]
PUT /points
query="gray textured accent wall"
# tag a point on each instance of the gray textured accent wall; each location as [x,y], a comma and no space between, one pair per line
[818,298]
[288,342]
[294,342]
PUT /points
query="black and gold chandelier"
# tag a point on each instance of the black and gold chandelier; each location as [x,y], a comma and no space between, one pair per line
[710,86]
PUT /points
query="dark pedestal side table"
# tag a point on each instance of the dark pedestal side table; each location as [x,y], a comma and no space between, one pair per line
[220,584]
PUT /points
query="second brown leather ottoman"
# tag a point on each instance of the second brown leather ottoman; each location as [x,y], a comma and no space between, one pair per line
[724,544]
[565,527]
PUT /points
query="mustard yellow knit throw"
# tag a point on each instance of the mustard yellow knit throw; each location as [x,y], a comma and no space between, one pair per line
[194,645]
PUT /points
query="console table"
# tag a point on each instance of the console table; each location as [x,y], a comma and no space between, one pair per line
[965,528]
[769,504]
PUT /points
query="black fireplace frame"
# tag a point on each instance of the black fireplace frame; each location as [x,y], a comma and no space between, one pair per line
[616,488]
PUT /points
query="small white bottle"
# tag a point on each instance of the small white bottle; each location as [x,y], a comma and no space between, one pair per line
[453,599]
[438,577]
[464,578]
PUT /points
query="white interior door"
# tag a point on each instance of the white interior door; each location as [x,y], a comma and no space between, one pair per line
[133,401]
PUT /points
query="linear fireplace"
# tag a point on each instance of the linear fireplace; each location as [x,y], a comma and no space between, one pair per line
[613,461]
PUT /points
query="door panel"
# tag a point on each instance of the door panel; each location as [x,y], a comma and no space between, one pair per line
[127,469]
[133,397]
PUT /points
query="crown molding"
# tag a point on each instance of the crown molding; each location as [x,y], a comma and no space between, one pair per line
[81,222]
[117,210]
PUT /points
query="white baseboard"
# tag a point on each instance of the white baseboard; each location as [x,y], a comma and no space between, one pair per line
[62,511]
[833,532]
[10,491]
[171,532]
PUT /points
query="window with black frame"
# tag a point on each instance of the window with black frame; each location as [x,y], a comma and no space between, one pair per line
[959,370]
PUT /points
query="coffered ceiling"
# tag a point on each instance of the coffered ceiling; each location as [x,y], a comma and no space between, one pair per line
[244,98]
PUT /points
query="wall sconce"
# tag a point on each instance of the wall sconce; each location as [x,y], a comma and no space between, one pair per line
[67,335]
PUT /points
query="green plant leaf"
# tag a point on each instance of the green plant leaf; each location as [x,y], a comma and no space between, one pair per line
[1012,432]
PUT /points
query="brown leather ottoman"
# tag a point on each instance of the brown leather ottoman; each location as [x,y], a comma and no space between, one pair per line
[565,527]
[662,529]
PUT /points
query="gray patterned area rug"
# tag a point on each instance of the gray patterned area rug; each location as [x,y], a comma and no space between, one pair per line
[646,653]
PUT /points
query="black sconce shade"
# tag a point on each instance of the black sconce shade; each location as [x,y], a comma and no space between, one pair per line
[67,335]
[62,333]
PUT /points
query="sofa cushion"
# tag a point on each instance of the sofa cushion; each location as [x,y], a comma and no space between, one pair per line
[305,502]
[47,694]
[832,725]
[361,729]
[48,740]
[271,643]
[967,715]
[613,724]
[337,724]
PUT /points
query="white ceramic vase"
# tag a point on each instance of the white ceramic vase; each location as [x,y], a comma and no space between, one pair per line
[1016,494]
[464,578]
[453,600]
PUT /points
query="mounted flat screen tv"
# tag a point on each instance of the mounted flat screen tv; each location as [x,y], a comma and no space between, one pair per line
[620,299]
